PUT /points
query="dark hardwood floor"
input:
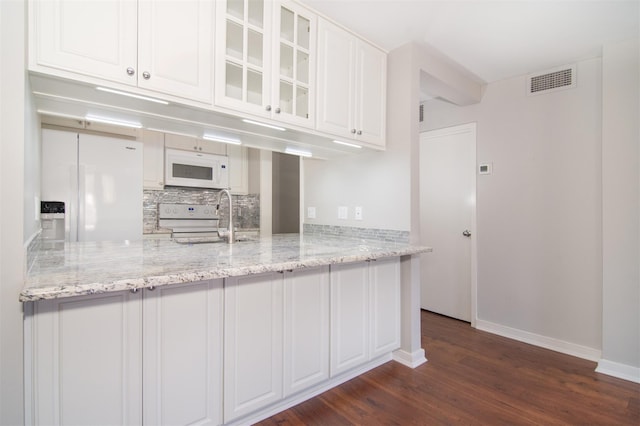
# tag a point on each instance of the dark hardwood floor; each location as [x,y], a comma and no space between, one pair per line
[473,377]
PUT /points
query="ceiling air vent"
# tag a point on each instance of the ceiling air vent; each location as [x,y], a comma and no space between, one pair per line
[552,80]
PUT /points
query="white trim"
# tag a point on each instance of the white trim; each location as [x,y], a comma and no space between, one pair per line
[551,343]
[411,360]
[621,371]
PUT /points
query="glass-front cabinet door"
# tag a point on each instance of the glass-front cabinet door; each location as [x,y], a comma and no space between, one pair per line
[294,64]
[243,45]
[266,59]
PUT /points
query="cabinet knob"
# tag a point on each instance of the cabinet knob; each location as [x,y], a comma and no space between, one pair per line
[353,131]
[146,75]
[199,148]
[195,148]
[359,132]
[131,71]
[268,107]
[277,110]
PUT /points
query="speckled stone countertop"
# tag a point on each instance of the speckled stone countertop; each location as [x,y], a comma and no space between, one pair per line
[74,269]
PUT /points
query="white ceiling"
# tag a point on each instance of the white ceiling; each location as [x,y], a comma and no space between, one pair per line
[493,40]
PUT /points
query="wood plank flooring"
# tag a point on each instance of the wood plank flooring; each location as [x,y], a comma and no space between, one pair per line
[473,377]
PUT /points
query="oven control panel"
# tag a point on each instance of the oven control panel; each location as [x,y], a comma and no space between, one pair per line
[186,211]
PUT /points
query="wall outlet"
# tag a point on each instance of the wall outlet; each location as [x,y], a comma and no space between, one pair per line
[311,212]
[357,213]
[343,212]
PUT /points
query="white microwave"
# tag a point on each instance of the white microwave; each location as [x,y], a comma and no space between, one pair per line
[195,169]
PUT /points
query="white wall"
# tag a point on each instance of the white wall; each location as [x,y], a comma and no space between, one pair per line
[621,209]
[538,214]
[378,182]
[12,134]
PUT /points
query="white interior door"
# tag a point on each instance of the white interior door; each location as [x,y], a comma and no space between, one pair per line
[447,213]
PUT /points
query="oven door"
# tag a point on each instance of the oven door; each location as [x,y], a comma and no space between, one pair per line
[193,169]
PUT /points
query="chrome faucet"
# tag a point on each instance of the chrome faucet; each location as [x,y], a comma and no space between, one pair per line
[230,232]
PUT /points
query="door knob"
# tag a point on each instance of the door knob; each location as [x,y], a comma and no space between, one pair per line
[466,233]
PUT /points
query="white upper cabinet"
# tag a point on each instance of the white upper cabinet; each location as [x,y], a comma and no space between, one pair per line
[92,38]
[165,46]
[352,86]
[175,48]
[294,65]
[264,63]
[153,159]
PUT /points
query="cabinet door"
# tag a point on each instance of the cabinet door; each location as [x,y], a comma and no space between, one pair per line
[349,316]
[306,328]
[153,159]
[183,354]
[384,281]
[293,64]
[186,143]
[243,42]
[238,169]
[175,48]
[87,37]
[252,343]
[336,88]
[371,103]
[88,360]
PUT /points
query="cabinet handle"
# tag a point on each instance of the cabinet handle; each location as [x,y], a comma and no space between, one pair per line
[277,110]
[151,288]
[146,75]
[359,132]
[268,108]
[131,71]
[134,290]
[353,130]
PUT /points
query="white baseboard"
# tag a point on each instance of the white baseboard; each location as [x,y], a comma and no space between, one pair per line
[621,371]
[557,345]
[410,359]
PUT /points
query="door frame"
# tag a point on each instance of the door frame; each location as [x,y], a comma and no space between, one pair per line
[453,130]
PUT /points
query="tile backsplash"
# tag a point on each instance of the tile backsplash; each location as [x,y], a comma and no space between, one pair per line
[246,208]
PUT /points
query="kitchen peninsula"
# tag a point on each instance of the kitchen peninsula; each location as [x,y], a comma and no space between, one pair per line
[157,332]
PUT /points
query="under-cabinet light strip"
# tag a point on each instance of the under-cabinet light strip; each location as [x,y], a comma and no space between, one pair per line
[299,152]
[131,95]
[352,145]
[221,139]
[257,123]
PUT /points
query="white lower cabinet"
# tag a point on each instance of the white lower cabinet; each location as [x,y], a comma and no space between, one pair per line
[87,360]
[252,343]
[306,328]
[349,316]
[365,312]
[276,337]
[149,357]
[210,352]
[182,368]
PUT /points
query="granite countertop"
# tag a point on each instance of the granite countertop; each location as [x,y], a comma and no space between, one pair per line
[73,269]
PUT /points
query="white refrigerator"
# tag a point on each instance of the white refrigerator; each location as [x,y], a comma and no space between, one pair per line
[100,181]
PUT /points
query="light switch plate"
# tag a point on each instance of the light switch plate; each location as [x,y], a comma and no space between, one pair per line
[343,212]
[357,213]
